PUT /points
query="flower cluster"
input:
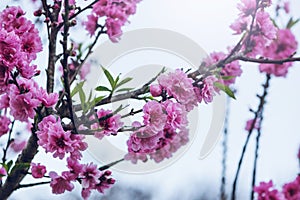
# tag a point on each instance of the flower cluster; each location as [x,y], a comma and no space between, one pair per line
[54,139]
[116,13]
[290,191]
[88,175]
[19,44]
[262,29]
[283,47]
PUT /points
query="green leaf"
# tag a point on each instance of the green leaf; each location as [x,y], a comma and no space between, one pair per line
[102,88]
[20,166]
[124,89]
[9,164]
[98,99]
[76,89]
[227,77]
[109,77]
[90,96]
[116,82]
[126,80]
[291,23]
[225,89]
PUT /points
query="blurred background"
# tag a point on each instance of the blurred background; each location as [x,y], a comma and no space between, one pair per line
[189,178]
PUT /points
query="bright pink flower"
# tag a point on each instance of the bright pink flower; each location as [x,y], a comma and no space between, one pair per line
[266,191]
[109,126]
[48,100]
[4,125]
[90,176]
[91,24]
[38,170]
[9,48]
[206,91]
[154,116]
[155,90]
[4,75]
[178,85]
[283,47]
[114,30]
[247,7]
[134,157]
[266,26]
[18,145]
[60,184]
[4,101]
[54,139]
[176,114]
[249,124]
[105,183]
[240,24]
[291,190]
[75,168]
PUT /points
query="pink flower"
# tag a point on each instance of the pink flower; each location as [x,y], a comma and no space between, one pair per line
[90,176]
[247,7]
[249,124]
[85,70]
[18,146]
[154,116]
[240,24]
[48,100]
[38,170]
[105,182]
[265,191]
[4,75]
[291,190]
[9,48]
[60,184]
[283,47]
[109,126]
[75,168]
[206,91]
[178,85]
[155,90]
[114,30]
[4,125]
[91,24]
[176,114]
[54,139]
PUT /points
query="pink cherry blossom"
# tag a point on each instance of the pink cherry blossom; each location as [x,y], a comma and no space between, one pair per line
[291,190]
[60,184]
[176,114]
[90,175]
[4,125]
[247,7]
[91,24]
[178,85]
[38,170]
[54,139]
[286,7]
[105,182]
[109,126]
[283,47]
[155,90]
[206,91]
[154,116]
[265,191]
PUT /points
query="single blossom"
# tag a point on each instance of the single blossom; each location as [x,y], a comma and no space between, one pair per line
[109,124]
[291,190]
[60,184]
[154,116]
[18,145]
[38,170]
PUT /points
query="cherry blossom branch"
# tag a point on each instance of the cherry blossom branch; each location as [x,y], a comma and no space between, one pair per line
[257,115]
[110,165]
[64,63]
[267,60]
[8,142]
[32,184]
[52,44]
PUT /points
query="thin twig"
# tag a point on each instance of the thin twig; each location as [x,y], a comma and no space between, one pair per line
[8,142]
[257,115]
[32,184]
[110,165]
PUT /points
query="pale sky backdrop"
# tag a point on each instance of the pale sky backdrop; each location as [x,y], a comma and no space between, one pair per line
[206,22]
